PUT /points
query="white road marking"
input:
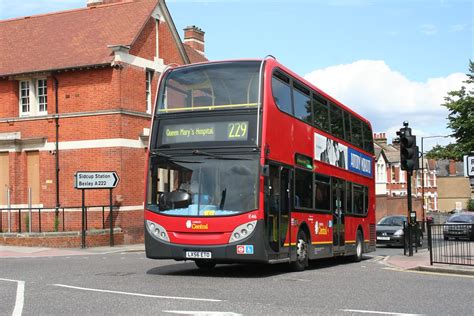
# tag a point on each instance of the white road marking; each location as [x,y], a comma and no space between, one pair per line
[138,294]
[376,312]
[203,313]
[20,296]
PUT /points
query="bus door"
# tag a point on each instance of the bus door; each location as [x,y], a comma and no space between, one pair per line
[278,197]
[338,198]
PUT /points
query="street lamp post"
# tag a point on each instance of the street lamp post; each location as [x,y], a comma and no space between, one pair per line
[423,169]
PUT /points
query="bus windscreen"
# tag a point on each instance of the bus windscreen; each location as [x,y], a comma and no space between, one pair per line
[214,86]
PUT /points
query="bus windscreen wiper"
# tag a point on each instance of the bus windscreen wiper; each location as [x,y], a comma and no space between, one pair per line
[171,158]
[214,156]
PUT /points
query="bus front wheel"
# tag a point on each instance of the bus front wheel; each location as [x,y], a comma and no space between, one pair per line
[301,252]
[205,264]
[359,247]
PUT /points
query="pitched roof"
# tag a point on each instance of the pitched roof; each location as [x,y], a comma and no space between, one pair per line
[194,56]
[70,38]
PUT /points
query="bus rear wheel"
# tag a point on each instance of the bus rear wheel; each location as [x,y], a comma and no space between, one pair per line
[301,252]
[205,265]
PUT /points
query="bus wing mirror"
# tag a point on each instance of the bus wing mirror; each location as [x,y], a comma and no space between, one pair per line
[266,170]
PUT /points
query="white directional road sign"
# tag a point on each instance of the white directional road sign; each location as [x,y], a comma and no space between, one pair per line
[96,179]
[469,165]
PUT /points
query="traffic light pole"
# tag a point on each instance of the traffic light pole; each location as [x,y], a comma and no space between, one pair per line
[410,219]
[409,156]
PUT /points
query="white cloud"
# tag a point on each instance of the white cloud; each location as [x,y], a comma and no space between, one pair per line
[429,29]
[387,98]
[458,27]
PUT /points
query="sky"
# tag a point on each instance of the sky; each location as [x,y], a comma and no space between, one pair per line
[391,61]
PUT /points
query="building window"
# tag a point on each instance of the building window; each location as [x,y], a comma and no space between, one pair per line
[33,97]
[149,78]
[25,97]
[43,95]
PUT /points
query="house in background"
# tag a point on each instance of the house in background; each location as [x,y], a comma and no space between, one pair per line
[391,181]
[454,190]
[83,80]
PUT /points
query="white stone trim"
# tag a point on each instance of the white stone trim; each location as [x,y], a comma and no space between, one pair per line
[193,40]
[124,57]
[76,209]
[80,144]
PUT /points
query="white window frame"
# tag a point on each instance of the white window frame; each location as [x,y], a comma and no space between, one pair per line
[24,85]
[33,99]
[43,96]
[148,89]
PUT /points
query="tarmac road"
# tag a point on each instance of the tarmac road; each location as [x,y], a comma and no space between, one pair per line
[128,283]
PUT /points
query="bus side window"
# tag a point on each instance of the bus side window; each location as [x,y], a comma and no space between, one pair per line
[320,113]
[322,193]
[356,128]
[303,189]
[358,201]
[348,197]
[347,126]
[337,124]
[282,93]
[368,141]
[302,103]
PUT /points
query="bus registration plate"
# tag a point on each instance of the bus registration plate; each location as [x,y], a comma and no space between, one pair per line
[198,254]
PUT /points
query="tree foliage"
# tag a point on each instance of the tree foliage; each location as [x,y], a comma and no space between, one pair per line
[460,105]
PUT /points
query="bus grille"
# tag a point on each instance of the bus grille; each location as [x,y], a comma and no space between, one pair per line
[372,234]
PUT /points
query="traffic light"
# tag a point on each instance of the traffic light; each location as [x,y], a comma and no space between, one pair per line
[408,150]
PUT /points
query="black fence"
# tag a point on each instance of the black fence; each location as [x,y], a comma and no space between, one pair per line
[17,220]
[451,243]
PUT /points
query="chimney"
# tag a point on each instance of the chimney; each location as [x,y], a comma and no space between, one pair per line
[194,37]
[92,3]
[380,138]
[452,168]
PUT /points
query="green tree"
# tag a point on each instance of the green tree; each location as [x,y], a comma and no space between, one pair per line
[460,105]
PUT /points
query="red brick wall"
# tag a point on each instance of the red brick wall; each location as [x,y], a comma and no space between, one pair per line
[386,205]
[9,98]
[145,44]
[167,46]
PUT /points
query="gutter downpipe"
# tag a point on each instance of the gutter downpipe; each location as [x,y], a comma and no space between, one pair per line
[56,211]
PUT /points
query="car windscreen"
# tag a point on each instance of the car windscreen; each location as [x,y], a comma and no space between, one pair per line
[461,218]
[392,221]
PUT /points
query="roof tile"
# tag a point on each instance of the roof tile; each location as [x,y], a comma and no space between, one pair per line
[71,38]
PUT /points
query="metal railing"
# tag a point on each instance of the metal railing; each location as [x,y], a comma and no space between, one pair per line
[451,243]
[25,219]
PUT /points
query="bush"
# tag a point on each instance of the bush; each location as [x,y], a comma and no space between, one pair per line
[470,205]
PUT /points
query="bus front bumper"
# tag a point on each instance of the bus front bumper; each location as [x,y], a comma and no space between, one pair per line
[250,249]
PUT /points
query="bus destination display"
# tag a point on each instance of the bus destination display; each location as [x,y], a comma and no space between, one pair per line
[205,132]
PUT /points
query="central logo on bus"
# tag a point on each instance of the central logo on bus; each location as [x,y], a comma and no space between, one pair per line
[196,225]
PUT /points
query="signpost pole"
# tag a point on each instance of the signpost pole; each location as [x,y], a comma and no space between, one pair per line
[111,221]
[83,231]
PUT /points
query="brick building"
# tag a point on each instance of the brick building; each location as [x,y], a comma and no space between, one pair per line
[93,71]
[453,188]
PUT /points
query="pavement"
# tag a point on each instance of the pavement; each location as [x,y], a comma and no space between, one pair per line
[35,252]
[420,260]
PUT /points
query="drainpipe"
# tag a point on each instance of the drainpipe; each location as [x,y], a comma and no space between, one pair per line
[56,212]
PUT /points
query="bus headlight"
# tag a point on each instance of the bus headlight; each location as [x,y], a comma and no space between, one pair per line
[157,230]
[242,231]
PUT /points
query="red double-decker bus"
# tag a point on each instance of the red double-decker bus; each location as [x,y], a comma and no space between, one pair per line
[249,162]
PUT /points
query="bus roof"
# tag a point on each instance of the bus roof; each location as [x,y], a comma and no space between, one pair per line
[275,63]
